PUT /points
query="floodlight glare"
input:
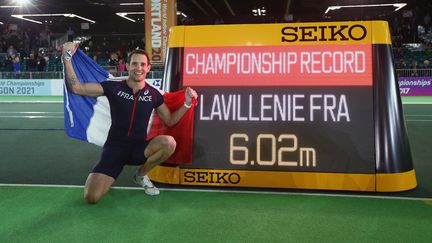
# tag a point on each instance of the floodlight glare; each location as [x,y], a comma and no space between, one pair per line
[125,14]
[22,2]
[182,14]
[10,6]
[131,4]
[259,12]
[22,17]
[397,6]
[67,15]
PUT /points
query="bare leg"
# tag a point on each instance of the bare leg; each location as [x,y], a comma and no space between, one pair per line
[159,150]
[96,186]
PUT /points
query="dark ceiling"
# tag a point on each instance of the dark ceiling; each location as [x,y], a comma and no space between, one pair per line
[198,12]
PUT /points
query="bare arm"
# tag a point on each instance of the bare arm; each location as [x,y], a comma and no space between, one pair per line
[72,82]
[170,119]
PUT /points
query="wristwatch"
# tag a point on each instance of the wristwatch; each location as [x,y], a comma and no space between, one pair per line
[68,55]
[186,105]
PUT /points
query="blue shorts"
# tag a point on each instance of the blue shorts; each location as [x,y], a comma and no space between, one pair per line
[116,155]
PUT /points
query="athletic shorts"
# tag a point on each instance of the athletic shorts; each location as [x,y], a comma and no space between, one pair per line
[116,155]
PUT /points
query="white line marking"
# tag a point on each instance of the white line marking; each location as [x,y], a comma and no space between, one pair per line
[230,191]
[30,112]
[32,117]
[418,120]
[417,103]
[29,102]
[41,185]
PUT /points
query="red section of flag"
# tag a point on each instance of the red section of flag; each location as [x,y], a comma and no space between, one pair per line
[320,65]
[182,131]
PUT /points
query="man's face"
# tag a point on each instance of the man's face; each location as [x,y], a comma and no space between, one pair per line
[138,67]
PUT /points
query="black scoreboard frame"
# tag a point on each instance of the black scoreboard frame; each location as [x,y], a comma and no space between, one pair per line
[389,165]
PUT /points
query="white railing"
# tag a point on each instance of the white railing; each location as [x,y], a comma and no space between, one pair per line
[59,75]
[423,72]
[31,75]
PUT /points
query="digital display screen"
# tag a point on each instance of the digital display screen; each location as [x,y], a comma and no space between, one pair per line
[283,108]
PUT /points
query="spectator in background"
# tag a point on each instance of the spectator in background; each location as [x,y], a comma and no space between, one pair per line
[121,66]
[32,63]
[46,57]
[401,64]
[16,63]
[113,61]
[8,65]
[41,63]
[11,51]
[21,50]
[414,69]
[426,64]
[95,58]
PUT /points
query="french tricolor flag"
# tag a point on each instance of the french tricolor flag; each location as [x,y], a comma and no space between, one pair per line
[89,119]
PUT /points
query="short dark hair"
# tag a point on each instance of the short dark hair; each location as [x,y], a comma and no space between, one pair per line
[140,52]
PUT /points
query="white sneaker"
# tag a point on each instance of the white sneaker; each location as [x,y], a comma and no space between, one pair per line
[146,183]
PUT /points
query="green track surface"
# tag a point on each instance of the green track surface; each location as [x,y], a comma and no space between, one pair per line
[37,150]
[60,215]
[31,98]
[426,99]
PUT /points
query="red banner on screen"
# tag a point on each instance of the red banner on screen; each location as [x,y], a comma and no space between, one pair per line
[321,65]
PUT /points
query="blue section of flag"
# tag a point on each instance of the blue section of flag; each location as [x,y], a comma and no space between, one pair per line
[78,110]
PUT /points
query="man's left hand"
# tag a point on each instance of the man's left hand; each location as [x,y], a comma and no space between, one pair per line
[189,94]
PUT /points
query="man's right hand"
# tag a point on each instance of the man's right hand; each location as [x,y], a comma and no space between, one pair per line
[93,89]
[69,48]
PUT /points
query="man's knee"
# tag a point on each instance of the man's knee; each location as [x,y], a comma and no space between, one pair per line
[92,198]
[168,144]
[97,184]
[171,144]
[163,143]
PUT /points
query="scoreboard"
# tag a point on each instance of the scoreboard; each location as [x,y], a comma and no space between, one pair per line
[302,105]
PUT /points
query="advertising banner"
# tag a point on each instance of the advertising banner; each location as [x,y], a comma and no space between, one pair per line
[160,16]
[31,87]
[415,86]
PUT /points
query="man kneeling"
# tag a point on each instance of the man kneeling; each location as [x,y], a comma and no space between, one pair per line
[131,102]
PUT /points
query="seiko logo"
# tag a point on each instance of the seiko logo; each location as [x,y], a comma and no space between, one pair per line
[211,177]
[324,33]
